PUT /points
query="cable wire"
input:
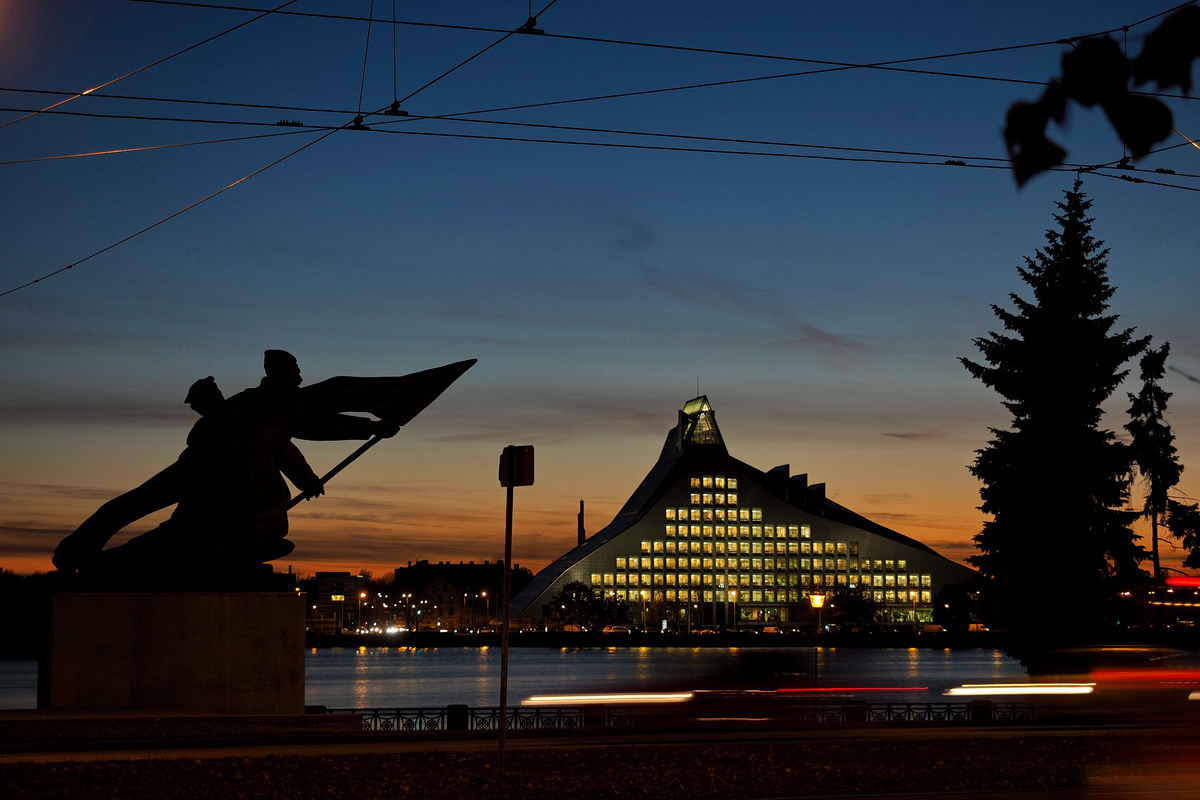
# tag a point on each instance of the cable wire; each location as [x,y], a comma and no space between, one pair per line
[153,64]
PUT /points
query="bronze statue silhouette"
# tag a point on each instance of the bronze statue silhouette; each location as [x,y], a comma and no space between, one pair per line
[228,487]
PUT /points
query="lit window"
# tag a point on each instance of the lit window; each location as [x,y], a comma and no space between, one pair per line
[805,532]
[720,563]
[889,580]
[792,564]
[695,499]
[646,546]
[670,594]
[645,562]
[708,595]
[694,579]
[658,546]
[695,547]
[608,579]
[706,481]
[670,563]
[756,514]
[681,514]
[658,562]
[926,596]
[889,565]
[719,531]
[829,564]
[707,564]
[769,531]
[707,498]
[719,481]
[926,580]
[596,579]
[719,499]
[829,579]
[805,563]
[876,580]
[719,513]
[878,597]
[731,483]
[756,531]
[902,580]
[878,564]
[793,548]
[695,483]
[902,564]
[841,548]
[671,531]
[731,499]
[841,565]
[670,513]
[853,548]
[620,563]
[744,563]
[694,515]
[707,547]
[756,548]
[769,548]
[756,564]
[695,531]
[670,547]
[645,579]
[620,579]
[708,515]
[854,565]
[658,579]
[744,530]
[768,564]
[769,594]
[744,547]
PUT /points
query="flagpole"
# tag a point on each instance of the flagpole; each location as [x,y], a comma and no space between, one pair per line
[345,462]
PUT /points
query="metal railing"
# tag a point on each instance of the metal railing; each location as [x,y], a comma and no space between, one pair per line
[527,718]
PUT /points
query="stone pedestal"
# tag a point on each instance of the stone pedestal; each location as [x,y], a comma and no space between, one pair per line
[216,653]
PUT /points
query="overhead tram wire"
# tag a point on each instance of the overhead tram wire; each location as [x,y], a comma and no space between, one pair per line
[150,147]
[331,131]
[682,48]
[154,63]
[227,187]
[933,159]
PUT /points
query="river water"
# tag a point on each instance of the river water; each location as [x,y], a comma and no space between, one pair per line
[403,677]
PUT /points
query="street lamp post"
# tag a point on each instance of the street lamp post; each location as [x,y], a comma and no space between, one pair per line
[733,595]
[818,602]
[643,610]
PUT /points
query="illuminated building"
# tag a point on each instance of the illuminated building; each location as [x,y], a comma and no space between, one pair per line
[706,537]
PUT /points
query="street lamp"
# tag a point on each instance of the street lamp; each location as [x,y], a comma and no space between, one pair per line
[733,596]
[818,602]
[643,610]
[488,602]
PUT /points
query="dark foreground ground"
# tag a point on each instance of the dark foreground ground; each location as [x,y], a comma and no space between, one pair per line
[185,759]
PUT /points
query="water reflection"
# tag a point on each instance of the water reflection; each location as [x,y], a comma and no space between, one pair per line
[437,677]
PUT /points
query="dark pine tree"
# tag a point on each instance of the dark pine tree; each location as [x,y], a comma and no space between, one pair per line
[1055,483]
[1153,446]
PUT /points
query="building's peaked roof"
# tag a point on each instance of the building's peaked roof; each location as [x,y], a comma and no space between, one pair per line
[696,441]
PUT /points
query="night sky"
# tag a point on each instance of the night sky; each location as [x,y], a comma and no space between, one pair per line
[648,200]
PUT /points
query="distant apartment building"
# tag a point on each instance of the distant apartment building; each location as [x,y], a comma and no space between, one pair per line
[712,539]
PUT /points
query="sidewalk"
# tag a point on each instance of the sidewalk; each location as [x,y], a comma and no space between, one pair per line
[183,758]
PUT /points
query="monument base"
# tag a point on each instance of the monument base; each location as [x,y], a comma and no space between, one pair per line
[205,652]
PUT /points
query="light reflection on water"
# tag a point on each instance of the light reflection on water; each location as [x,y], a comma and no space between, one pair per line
[399,677]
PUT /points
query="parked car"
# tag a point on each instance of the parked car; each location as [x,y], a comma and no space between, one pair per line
[616,629]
